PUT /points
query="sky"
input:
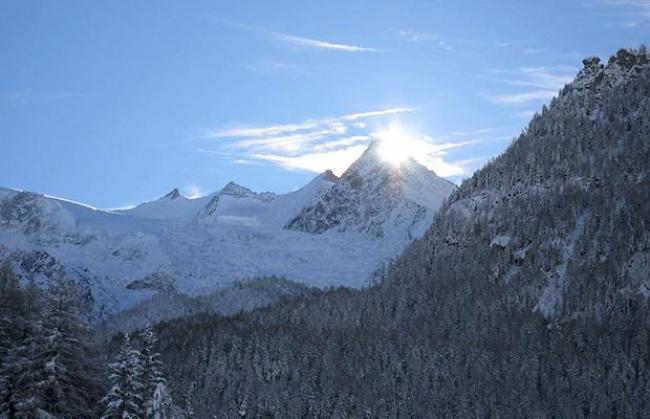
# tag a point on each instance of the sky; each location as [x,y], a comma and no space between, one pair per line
[112,103]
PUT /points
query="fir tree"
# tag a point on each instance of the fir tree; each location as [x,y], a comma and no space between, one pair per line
[18,328]
[161,405]
[124,399]
[156,397]
[61,372]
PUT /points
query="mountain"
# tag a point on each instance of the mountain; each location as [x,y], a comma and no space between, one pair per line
[377,197]
[526,297]
[196,246]
[171,206]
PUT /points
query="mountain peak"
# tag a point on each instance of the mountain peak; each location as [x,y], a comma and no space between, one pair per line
[173,194]
[235,189]
[378,197]
[596,77]
[329,176]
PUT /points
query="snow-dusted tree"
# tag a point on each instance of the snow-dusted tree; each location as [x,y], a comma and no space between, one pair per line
[157,400]
[124,399]
[161,405]
[188,412]
[61,375]
[18,327]
[11,308]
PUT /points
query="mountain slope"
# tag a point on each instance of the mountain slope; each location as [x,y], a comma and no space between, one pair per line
[171,206]
[191,246]
[527,297]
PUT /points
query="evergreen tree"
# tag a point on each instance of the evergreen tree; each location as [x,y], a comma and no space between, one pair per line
[11,308]
[156,397]
[124,399]
[60,375]
[18,327]
[161,405]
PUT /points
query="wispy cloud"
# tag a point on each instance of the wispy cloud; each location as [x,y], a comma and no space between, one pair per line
[327,143]
[637,12]
[320,44]
[30,97]
[539,83]
[275,66]
[410,35]
[336,160]
[526,114]
[193,191]
[523,98]
[296,40]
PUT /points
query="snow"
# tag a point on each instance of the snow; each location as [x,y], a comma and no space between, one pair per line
[200,245]
[637,270]
[501,241]
[550,303]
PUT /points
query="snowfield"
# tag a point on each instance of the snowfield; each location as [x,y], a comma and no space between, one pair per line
[196,246]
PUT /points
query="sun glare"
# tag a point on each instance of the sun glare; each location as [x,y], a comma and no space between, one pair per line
[395,145]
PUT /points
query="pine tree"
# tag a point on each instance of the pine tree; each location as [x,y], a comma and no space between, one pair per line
[60,375]
[161,405]
[124,399]
[18,327]
[11,308]
[157,400]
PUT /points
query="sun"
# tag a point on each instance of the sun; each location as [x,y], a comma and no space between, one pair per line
[396,145]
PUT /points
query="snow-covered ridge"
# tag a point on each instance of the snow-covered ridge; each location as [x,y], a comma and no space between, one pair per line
[196,246]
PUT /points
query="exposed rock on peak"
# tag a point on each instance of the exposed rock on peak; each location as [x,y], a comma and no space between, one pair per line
[174,194]
[236,189]
[329,175]
[377,197]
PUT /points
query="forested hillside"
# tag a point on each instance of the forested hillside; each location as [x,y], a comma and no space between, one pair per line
[526,298]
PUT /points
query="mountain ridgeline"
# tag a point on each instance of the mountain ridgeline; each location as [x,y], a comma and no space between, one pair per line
[195,247]
[527,297]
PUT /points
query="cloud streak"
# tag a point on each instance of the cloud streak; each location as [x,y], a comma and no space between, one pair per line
[299,41]
[638,11]
[319,44]
[30,97]
[326,143]
[536,84]
[417,37]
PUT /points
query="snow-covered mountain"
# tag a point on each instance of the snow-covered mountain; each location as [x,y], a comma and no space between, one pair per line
[195,246]
[377,197]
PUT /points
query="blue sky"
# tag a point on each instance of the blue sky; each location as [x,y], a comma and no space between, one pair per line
[116,102]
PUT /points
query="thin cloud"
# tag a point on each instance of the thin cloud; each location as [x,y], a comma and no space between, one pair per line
[326,143]
[384,112]
[526,114]
[521,98]
[284,129]
[410,35]
[193,191]
[30,97]
[319,44]
[300,41]
[637,11]
[274,66]
[336,160]
[539,83]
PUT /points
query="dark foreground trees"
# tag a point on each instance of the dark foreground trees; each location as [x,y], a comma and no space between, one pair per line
[47,364]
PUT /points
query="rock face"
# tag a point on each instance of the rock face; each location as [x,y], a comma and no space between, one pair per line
[196,246]
[377,197]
